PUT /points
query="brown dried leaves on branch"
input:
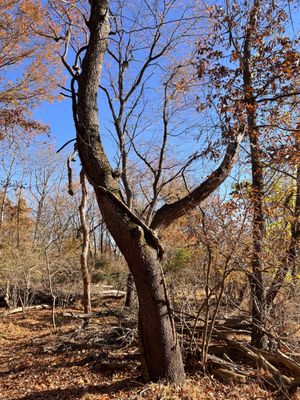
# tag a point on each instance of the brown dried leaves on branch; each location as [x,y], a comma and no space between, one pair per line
[29,71]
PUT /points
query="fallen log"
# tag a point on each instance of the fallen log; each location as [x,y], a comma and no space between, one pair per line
[257,357]
[22,309]
[279,358]
[229,376]
[86,316]
[218,362]
[225,370]
[111,293]
[235,322]
[219,332]
[294,385]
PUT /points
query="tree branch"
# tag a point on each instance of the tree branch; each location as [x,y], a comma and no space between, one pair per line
[278,97]
[168,213]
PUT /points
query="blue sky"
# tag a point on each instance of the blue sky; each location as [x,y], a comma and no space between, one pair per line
[58,116]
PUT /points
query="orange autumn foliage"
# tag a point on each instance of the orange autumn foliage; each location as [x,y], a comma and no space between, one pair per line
[29,72]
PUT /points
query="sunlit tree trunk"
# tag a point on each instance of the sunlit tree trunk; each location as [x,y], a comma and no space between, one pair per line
[137,241]
[258,225]
[85,248]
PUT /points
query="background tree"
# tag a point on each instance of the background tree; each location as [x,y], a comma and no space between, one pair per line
[22,47]
[252,63]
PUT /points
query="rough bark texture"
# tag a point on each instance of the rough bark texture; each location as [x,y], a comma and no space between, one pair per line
[85,248]
[288,262]
[259,305]
[168,213]
[258,228]
[129,291]
[262,298]
[161,352]
[295,227]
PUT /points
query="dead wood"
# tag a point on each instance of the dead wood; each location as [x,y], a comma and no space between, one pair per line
[245,351]
[282,359]
[112,294]
[294,385]
[229,376]
[22,309]
[235,322]
[218,362]
[278,364]
[86,316]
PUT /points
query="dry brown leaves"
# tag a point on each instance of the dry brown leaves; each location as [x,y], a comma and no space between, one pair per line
[32,367]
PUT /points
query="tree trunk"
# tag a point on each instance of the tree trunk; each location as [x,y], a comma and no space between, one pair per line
[129,291]
[3,203]
[85,249]
[19,194]
[295,226]
[259,306]
[159,347]
[160,351]
[288,262]
[257,195]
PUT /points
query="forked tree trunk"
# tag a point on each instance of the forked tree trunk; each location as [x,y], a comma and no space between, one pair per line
[160,349]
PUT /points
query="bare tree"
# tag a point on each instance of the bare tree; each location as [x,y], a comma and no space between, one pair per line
[137,241]
[85,247]
[255,88]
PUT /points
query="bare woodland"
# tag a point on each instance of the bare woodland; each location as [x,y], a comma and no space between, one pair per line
[161,238]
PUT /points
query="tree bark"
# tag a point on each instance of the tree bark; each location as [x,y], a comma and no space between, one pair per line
[129,291]
[85,249]
[259,311]
[295,227]
[168,213]
[160,349]
[259,305]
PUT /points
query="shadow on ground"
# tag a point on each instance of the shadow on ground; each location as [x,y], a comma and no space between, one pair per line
[71,393]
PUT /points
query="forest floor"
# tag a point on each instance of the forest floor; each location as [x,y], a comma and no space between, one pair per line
[38,362]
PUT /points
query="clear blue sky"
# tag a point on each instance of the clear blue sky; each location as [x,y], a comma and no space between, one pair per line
[58,116]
